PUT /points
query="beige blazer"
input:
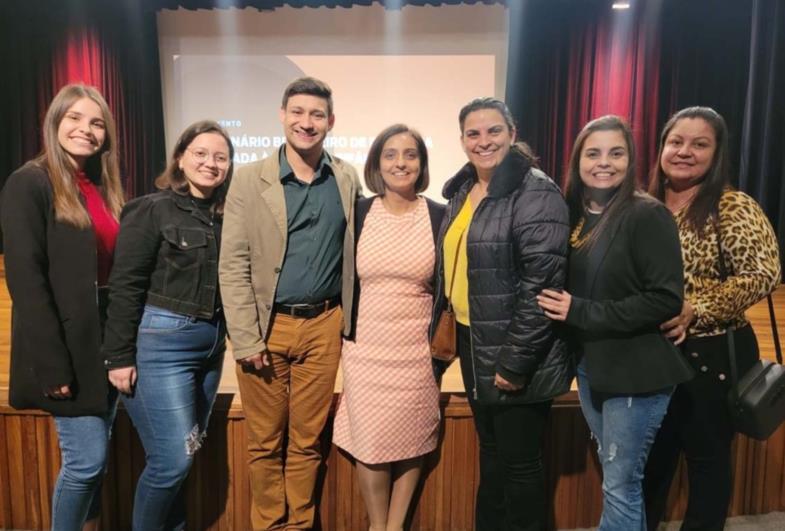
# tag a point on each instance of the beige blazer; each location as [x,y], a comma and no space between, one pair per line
[253,245]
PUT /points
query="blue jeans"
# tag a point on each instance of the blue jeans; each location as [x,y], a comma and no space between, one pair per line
[178,364]
[84,444]
[624,427]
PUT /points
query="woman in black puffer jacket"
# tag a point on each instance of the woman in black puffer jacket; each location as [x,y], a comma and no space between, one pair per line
[503,240]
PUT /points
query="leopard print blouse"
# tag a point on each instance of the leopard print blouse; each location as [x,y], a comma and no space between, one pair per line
[751,258]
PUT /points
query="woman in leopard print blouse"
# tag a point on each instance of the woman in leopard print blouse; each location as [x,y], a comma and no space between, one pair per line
[692,177]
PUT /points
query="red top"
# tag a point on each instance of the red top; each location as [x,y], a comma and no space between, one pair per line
[105,226]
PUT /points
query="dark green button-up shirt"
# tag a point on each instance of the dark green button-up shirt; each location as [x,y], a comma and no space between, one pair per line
[311,270]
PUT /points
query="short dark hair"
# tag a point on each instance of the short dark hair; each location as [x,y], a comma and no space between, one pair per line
[173,178]
[576,190]
[717,178]
[310,86]
[373,173]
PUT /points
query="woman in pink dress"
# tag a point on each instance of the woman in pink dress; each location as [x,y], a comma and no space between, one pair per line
[388,414]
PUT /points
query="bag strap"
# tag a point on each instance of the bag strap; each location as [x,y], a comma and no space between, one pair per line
[774,331]
[455,265]
[729,333]
[734,371]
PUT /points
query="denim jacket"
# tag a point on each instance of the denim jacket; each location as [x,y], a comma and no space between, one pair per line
[167,256]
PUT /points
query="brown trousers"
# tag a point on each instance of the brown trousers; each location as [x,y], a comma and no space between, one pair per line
[292,396]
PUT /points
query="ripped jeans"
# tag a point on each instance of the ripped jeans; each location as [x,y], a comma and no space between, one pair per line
[178,363]
[624,427]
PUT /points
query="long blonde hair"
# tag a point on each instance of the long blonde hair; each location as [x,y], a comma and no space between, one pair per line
[104,164]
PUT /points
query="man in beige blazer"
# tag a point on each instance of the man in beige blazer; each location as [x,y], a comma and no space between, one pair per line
[287,281]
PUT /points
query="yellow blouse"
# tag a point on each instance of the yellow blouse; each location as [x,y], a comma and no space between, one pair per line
[751,253]
[460,291]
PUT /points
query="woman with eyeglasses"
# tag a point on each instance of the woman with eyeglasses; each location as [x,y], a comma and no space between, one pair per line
[165,334]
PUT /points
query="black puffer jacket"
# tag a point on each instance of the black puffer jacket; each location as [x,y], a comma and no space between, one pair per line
[516,246]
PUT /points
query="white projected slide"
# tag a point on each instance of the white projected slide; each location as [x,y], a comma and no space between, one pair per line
[370,93]
[233,65]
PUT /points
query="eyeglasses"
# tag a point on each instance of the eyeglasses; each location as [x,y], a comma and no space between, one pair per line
[202,155]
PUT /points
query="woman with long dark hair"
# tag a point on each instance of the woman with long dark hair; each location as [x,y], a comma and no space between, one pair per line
[692,177]
[503,240]
[165,335]
[625,278]
[59,219]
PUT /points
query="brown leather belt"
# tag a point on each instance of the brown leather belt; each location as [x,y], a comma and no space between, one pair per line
[307,311]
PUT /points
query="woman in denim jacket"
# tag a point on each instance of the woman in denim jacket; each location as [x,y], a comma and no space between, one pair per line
[165,334]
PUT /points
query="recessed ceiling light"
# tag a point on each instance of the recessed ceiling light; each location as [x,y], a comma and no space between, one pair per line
[621,5]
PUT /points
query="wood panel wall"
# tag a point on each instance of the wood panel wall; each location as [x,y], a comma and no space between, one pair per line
[218,493]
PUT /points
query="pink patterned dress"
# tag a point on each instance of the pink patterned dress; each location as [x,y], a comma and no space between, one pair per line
[389,409]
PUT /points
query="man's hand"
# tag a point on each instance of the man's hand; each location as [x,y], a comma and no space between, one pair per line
[258,361]
[123,379]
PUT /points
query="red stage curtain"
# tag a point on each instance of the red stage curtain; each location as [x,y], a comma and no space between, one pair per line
[571,62]
[81,60]
[114,47]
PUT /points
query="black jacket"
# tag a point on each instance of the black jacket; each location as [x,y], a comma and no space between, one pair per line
[55,325]
[635,282]
[516,246]
[166,256]
[361,209]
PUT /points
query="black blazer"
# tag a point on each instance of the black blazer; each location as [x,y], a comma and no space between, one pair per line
[55,325]
[361,209]
[635,282]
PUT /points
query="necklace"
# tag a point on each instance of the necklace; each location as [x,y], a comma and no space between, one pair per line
[576,240]
[683,203]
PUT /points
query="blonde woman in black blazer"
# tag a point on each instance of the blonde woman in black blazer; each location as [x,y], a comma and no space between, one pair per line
[625,277]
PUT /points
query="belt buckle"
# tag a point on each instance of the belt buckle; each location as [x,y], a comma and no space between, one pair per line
[298,308]
[303,310]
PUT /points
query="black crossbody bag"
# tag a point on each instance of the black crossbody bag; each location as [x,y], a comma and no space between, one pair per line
[757,400]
